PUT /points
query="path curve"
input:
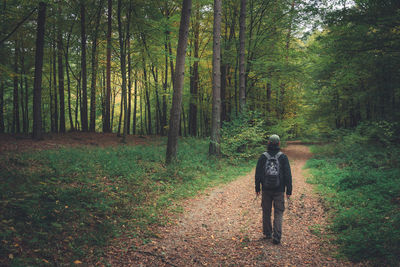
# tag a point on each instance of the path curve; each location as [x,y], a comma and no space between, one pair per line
[223,228]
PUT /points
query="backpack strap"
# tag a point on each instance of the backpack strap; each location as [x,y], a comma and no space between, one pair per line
[278,155]
[267,155]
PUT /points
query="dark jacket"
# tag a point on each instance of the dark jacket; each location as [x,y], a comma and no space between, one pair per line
[285,173]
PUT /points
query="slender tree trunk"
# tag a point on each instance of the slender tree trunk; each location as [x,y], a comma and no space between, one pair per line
[134,107]
[52,122]
[128,115]
[154,71]
[16,122]
[216,101]
[37,87]
[172,144]
[78,97]
[141,110]
[22,97]
[2,128]
[242,50]
[106,126]
[71,123]
[283,85]
[55,87]
[84,104]
[194,77]
[61,81]
[165,84]
[269,97]
[147,95]
[92,127]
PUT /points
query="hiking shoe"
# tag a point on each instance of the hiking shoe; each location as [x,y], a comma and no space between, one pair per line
[275,241]
[267,237]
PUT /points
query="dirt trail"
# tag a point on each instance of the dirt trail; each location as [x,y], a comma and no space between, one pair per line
[223,228]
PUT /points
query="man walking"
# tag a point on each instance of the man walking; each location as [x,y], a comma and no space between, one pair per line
[274,175]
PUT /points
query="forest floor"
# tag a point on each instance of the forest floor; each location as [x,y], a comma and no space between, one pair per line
[21,143]
[223,227]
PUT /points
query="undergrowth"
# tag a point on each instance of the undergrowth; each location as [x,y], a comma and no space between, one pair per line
[62,206]
[359,180]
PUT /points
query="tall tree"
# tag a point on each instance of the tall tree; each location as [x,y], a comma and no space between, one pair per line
[15,122]
[172,144]
[194,76]
[122,46]
[106,125]
[214,148]
[37,85]
[61,79]
[242,50]
[84,103]
[94,64]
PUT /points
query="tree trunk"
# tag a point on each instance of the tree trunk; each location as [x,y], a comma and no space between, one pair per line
[106,126]
[55,87]
[52,124]
[84,103]
[128,115]
[148,106]
[61,81]
[15,123]
[92,127]
[2,106]
[37,84]
[122,46]
[165,84]
[134,107]
[194,78]
[242,50]
[214,148]
[71,122]
[269,97]
[175,114]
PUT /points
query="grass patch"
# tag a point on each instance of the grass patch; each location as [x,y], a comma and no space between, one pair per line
[63,205]
[360,184]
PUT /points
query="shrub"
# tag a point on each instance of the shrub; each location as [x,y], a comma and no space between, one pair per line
[244,136]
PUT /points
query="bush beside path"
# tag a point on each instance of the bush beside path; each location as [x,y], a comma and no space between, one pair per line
[222,227]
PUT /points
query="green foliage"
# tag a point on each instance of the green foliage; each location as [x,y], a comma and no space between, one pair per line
[67,204]
[243,136]
[359,181]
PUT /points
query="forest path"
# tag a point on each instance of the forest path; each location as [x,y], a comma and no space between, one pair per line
[223,227]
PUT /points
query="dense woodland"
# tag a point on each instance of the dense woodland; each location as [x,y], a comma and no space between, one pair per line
[225,74]
[109,65]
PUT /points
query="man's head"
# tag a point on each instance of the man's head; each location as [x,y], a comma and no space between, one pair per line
[274,140]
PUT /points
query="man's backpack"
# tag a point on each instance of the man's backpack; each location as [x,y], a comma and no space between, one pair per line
[271,171]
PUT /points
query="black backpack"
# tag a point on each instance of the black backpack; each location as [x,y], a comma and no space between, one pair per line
[271,171]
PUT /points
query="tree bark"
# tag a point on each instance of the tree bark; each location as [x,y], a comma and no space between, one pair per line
[214,148]
[37,87]
[122,46]
[55,114]
[242,50]
[194,78]
[106,126]
[172,144]
[15,123]
[61,81]
[71,122]
[2,107]
[84,104]
[92,126]
[134,107]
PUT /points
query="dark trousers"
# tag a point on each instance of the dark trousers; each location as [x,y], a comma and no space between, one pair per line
[278,200]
